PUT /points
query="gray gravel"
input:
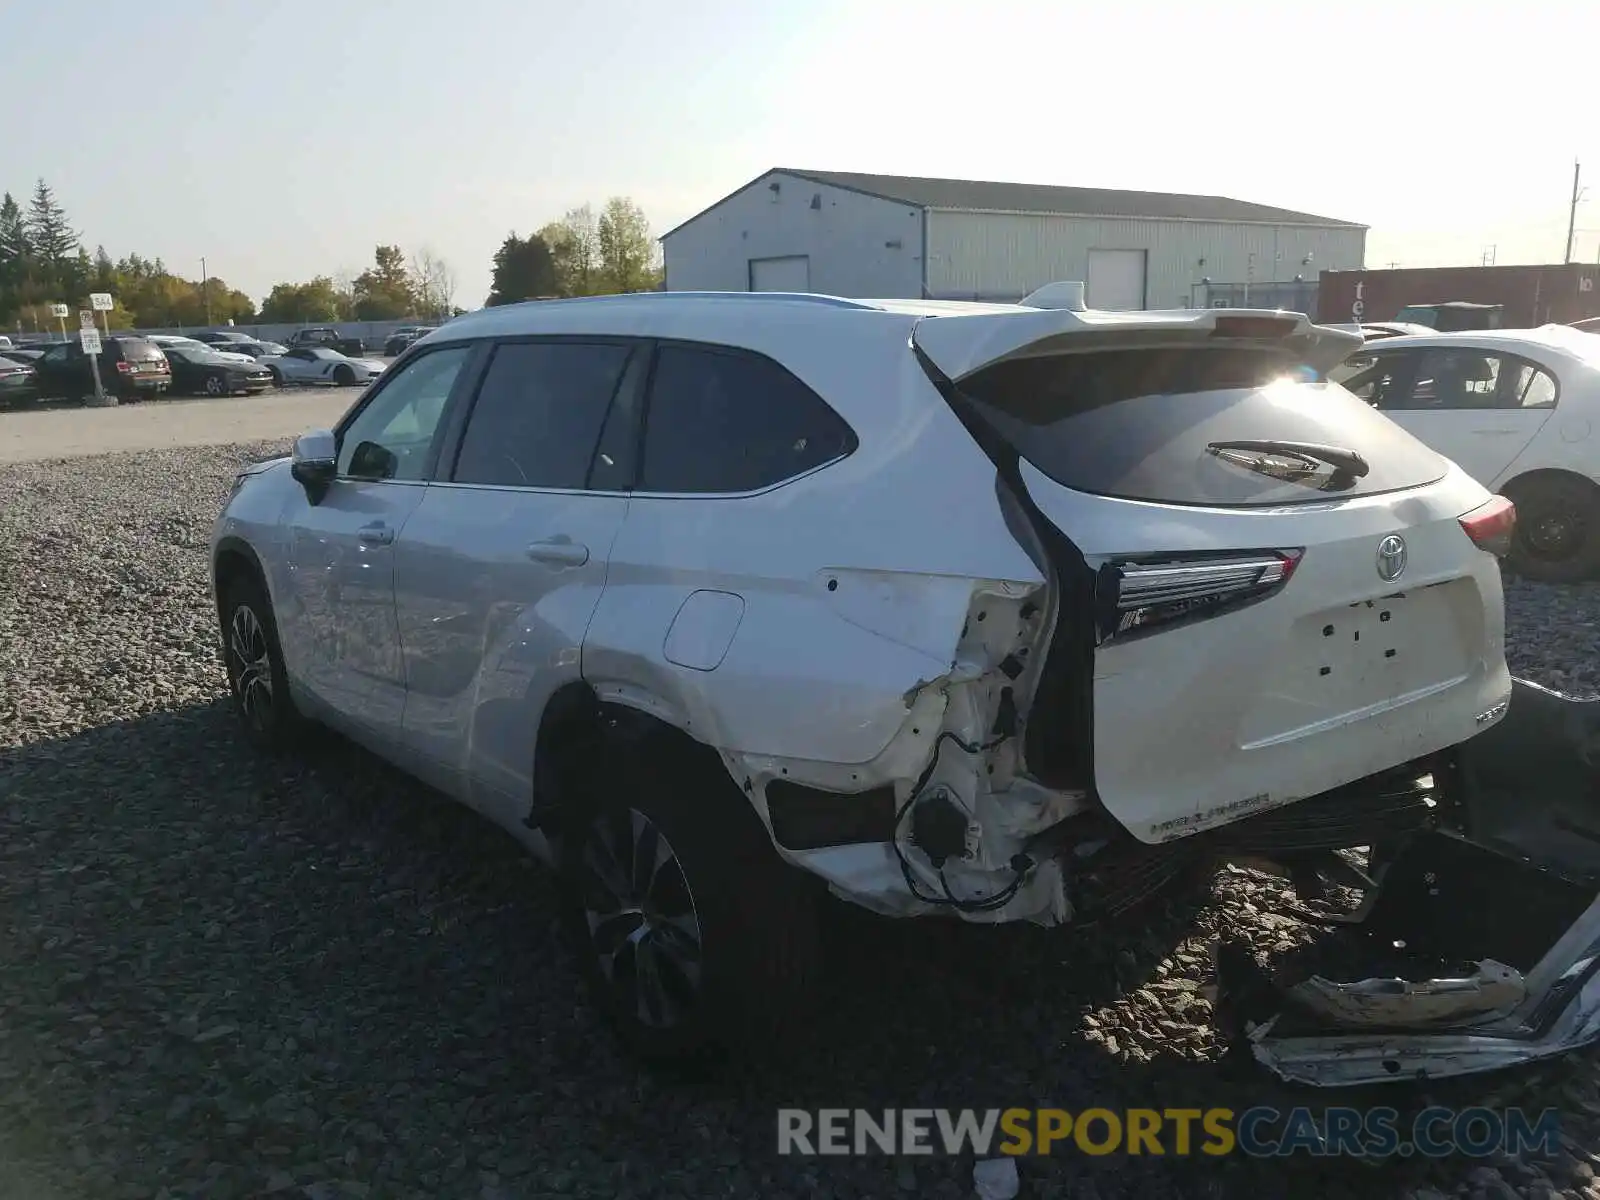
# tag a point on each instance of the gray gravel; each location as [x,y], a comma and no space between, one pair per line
[222,976]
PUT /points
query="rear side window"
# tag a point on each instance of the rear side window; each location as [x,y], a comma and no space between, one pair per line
[1163,426]
[1447,378]
[729,421]
[539,413]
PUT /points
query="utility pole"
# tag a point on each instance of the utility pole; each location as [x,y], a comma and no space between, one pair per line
[205,289]
[1572,213]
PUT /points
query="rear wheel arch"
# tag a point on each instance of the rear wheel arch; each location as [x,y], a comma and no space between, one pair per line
[1522,480]
[577,728]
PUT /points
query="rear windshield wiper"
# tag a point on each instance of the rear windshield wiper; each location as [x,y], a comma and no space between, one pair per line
[1344,462]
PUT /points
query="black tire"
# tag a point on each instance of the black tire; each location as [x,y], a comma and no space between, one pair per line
[758,946]
[253,658]
[216,385]
[277,376]
[344,376]
[1557,538]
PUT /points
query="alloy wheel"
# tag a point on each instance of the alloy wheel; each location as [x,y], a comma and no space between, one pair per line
[213,385]
[644,930]
[250,661]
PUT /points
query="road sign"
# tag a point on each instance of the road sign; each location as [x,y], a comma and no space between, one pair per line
[100,301]
[58,310]
[86,318]
[90,337]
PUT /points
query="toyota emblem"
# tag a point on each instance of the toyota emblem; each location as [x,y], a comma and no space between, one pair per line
[1391,558]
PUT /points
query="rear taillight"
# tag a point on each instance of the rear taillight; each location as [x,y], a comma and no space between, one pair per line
[1490,526]
[1140,595]
[124,368]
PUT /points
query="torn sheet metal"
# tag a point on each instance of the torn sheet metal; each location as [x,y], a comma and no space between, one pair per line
[1514,884]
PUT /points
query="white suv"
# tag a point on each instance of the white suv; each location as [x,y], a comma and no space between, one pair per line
[987,610]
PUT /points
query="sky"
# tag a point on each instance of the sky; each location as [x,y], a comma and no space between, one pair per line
[283,139]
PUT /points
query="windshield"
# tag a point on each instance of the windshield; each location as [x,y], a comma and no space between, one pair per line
[1165,426]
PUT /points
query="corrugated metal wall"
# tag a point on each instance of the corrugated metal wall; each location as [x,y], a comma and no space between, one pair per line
[857,245]
[1004,256]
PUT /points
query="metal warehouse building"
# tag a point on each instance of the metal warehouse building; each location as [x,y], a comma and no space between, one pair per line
[888,237]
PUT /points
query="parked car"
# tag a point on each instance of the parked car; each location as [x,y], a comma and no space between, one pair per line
[403,337]
[1453,316]
[201,370]
[258,349]
[23,354]
[217,336]
[1519,410]
[328,337]
[131,368]
[5,343]
[318,364]
[966,616]
[19,382]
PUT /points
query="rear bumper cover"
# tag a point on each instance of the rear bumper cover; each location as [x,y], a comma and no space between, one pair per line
[1503,901]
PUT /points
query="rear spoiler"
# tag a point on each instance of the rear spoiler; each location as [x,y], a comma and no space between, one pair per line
[963,344]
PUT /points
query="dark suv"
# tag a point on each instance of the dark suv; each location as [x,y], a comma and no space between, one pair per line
[323,335]
[130,369]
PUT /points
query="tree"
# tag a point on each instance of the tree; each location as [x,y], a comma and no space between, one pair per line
[523,270]
[435,284]
[105,272]
[51,238]
[316,300]
[14,248]
[626,251]
[574,243]
[384,290]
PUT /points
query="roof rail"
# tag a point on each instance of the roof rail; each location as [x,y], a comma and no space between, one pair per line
[765,297]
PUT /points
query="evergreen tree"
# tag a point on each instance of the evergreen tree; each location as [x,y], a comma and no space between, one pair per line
[54,242]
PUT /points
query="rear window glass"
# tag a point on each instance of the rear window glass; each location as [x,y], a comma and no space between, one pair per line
[1157,425]
[139,350]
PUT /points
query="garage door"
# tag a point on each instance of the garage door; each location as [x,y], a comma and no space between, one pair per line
[791,274]
[1116,280]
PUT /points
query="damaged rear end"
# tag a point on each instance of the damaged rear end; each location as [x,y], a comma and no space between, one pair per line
[1270,611]
[1476,942]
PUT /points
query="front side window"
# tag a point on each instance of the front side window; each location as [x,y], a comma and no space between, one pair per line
[539,413]
[391,437]
[722,421]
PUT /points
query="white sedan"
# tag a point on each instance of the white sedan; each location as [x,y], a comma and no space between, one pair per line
[1519,410]
[318,364]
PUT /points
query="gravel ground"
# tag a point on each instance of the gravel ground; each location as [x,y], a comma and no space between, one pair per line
[224,976]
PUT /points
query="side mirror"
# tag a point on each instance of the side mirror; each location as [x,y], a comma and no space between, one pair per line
[315,462]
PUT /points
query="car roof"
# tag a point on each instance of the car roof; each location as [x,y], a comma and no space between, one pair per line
[1559,339]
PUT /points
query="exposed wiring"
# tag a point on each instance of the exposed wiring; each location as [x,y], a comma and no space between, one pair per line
[1021,864]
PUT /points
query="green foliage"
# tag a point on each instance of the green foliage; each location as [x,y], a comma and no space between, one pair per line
[385,291]
[315,300]
[613,252]
[42,262]
[524,269]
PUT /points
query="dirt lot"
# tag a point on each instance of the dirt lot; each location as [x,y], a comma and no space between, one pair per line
[226,976]
[71,431]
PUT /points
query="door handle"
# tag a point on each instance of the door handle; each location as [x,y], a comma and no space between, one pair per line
[375,535]
[566,554]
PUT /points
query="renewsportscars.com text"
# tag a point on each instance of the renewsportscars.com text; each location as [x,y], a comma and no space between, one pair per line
[1261,1132]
